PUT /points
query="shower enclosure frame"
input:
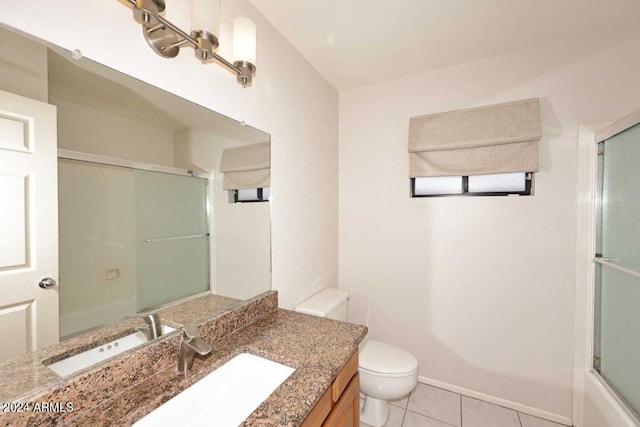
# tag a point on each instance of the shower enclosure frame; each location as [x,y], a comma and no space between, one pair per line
[133,164]
[595,402]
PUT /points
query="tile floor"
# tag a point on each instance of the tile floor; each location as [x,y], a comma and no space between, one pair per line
[429,406]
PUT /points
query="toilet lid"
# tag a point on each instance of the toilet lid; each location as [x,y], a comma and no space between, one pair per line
[385,358]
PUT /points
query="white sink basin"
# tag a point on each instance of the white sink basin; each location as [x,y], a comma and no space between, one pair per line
[88,358]
[225,397]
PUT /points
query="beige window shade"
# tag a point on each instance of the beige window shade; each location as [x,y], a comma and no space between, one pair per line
[248,166]
[499,138]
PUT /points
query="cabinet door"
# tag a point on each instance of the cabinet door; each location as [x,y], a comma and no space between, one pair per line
[344,377]
[346,411]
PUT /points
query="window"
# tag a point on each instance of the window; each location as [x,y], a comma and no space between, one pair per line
[249,195]
[483,151]
[501,184]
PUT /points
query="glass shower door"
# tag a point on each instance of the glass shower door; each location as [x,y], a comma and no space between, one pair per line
[172,237]
[617,272]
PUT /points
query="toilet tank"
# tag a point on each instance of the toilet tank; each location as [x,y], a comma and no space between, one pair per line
[331,303]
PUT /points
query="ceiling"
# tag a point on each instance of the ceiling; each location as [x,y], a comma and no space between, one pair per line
[354,43]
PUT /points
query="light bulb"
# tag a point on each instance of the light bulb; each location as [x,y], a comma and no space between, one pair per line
[205,15]
[244,40]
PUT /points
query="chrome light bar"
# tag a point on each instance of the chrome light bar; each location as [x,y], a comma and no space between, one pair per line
[166,39]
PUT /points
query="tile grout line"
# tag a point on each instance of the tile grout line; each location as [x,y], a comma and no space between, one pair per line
[406,408]
[461,408]
[427,416]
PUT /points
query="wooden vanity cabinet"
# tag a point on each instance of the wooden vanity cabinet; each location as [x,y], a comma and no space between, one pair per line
[346,411]
[339,405]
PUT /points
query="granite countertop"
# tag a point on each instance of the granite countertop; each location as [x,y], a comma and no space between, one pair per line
[317,348]
[28,374]
[131,386]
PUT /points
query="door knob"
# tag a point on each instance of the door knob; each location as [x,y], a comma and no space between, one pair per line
[47,283]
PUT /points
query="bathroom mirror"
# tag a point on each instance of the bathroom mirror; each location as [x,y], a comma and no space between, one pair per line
[143,216]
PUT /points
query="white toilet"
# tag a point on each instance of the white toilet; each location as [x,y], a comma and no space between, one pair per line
[386,372]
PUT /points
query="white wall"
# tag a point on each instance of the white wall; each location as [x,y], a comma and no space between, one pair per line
[481,290]
[23,66]
[95,131]
[288,100]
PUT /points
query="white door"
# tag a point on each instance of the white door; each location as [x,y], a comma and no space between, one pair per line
[28,225]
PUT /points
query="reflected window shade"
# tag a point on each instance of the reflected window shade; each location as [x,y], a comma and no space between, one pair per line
[438,185]
[500,138]
[246,179]
[498,183]
[247,166]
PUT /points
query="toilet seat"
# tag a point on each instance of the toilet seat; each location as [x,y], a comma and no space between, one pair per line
[386,360]
[382,375]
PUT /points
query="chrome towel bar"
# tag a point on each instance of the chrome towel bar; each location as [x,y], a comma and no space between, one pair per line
[162,239]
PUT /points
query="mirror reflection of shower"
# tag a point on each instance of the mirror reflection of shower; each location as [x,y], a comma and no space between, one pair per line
[130,239]
[144,217]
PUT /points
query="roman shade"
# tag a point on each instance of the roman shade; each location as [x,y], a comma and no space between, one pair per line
[499,138]
[248,166]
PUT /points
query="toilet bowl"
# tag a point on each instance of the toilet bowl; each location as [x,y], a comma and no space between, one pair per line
[386,371]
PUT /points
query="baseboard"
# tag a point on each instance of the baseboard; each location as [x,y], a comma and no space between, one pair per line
[497,401]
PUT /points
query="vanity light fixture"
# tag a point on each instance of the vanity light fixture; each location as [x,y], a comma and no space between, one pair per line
[166,39]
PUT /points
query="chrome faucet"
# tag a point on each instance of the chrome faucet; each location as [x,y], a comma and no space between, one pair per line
[153,329]
[190,345]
